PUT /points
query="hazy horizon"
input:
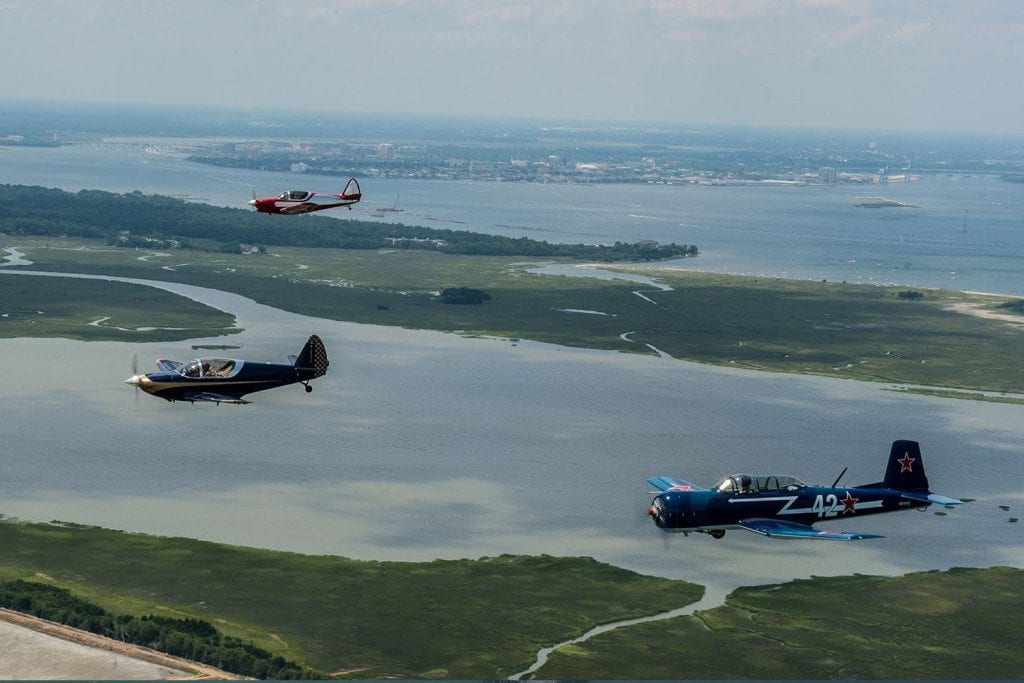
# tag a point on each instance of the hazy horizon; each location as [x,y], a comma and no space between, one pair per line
[921,66]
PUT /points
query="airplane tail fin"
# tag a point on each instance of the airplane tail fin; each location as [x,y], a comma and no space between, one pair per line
[313,355]
[905,471]
[352,193]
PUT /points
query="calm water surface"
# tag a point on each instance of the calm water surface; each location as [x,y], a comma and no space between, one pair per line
[419,445]
[814,232]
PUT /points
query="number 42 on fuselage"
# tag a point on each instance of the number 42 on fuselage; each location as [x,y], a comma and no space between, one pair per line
[304,201]
[785,507]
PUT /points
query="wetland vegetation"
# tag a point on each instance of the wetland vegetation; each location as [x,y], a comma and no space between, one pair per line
[193,639]
[957,624]
[135,220]
[488,617]
[100,310]
[483,618]
[941,339]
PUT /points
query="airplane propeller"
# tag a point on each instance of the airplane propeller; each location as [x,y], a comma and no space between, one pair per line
[646,518]
[134,379]
[654,512]
[252,202]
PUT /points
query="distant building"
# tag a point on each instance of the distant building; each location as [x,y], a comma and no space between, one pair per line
[251,249]
[415,240]
[827,175]
[299,167]
[384,151]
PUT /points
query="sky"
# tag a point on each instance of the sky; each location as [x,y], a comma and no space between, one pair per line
[937,65]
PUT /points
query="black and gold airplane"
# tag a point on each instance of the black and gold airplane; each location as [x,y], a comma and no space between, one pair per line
[227,380]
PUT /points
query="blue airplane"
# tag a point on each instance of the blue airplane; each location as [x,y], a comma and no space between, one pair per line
[785,507]
[226,380]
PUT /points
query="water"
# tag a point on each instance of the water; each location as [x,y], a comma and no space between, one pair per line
[420,445]
[710,600]
[811,232]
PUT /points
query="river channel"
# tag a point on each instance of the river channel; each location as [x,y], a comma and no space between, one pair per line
[421,445]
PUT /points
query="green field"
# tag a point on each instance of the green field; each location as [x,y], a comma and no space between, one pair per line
[483,618]
[488,618]
[853,331]
[960,624]
[96,310]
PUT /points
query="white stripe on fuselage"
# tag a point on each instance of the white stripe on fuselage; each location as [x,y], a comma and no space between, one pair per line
[787,509]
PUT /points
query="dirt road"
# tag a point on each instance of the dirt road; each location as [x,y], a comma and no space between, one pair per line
[53,650]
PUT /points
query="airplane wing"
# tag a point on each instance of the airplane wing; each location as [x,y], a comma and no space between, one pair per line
[673,484]
[213,397]
[929,498]
[777,528]
[168,365]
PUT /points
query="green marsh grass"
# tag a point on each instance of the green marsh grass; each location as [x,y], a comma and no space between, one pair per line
[958,624]
[472,618]
[93,310]
[863,332]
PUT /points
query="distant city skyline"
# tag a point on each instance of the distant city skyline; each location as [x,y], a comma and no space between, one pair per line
[930,66]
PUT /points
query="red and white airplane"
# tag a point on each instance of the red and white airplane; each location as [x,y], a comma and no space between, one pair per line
[304,201]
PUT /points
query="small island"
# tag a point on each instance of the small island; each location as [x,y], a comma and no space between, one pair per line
[882,203]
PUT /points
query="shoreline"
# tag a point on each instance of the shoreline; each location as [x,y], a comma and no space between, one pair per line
[639,268]
[15,258]
[247,312]
[713,596]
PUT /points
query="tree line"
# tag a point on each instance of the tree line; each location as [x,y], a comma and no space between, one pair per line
[193,639]
[125,218]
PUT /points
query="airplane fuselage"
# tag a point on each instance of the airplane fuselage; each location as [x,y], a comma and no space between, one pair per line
[708,509]
[317,202]
[782,506]
[227,380]
[252,377]
[304,201]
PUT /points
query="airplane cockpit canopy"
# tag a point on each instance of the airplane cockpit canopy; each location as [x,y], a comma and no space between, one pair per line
[295,195]
[748,483]
[211,367]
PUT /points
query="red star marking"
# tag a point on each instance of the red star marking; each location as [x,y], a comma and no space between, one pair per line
[906,463]
[849,503]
